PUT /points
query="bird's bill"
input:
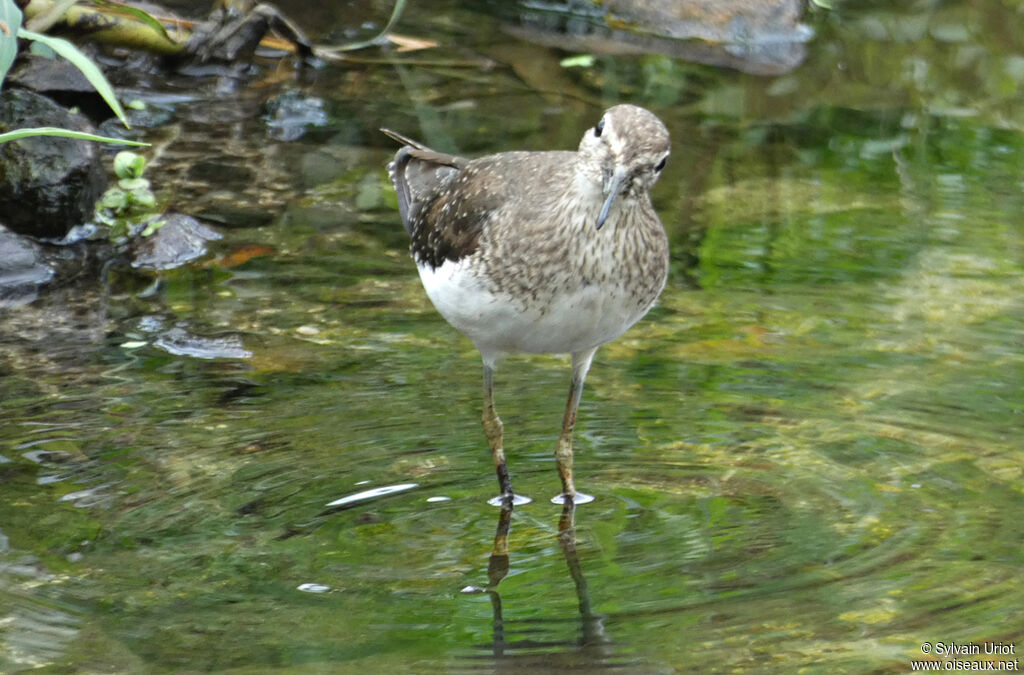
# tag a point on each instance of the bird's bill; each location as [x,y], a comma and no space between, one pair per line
[611,192]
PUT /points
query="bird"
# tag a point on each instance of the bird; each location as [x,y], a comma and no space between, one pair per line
[553,251]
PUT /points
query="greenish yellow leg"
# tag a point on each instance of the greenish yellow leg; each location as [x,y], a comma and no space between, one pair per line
[563,453]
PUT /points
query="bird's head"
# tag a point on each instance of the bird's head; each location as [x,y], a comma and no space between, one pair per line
[624,154]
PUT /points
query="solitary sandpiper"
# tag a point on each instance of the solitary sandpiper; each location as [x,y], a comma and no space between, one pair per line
[540,252]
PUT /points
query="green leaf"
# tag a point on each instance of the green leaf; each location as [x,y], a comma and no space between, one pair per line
[128,164]
[144,197]
[153,226]
[131,184]
[138,14]
[114,199]
[82,62]
[19,134]
[39,49]
[579,61]
[10,24]
[118,231]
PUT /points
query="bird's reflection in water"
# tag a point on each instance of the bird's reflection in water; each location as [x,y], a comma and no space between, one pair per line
[540,645]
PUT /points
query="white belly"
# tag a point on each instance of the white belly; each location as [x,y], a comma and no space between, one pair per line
[575,321]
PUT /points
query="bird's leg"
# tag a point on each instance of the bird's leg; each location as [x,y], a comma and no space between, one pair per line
[563,454]
[493,429]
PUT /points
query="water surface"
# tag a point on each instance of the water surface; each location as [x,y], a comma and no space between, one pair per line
[807,457]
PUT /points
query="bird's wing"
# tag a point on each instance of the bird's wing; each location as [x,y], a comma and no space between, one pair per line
[417,172]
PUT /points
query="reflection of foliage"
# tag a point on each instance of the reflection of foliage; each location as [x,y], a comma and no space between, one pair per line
[945,60]
[128,209]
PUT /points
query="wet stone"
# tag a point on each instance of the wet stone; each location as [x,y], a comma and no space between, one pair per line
[290,115]
[180,341]
[47,185]
[729,21]
[181,239]
[61,81]
[22,269]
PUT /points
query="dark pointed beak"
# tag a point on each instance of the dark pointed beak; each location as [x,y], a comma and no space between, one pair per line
[611,191]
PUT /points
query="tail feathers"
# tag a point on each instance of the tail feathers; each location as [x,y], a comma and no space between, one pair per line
[396,172]
[417,172]
[404,140]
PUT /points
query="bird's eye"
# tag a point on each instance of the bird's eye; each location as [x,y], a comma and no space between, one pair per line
[599,128]
[661,165]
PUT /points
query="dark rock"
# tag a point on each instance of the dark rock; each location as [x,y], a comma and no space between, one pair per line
[46,75]
[47,185]
[61,81]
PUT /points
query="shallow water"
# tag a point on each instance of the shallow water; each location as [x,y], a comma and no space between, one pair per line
[807,457]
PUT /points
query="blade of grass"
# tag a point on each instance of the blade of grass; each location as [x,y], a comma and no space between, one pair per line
[19,134]
[136,13]
[377,39]
[82,62]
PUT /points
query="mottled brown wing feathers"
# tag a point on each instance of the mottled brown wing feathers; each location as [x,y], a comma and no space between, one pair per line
[434,210]
[416,172]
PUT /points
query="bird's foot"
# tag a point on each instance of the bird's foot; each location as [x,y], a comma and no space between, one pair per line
[507,500]
[577,498]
